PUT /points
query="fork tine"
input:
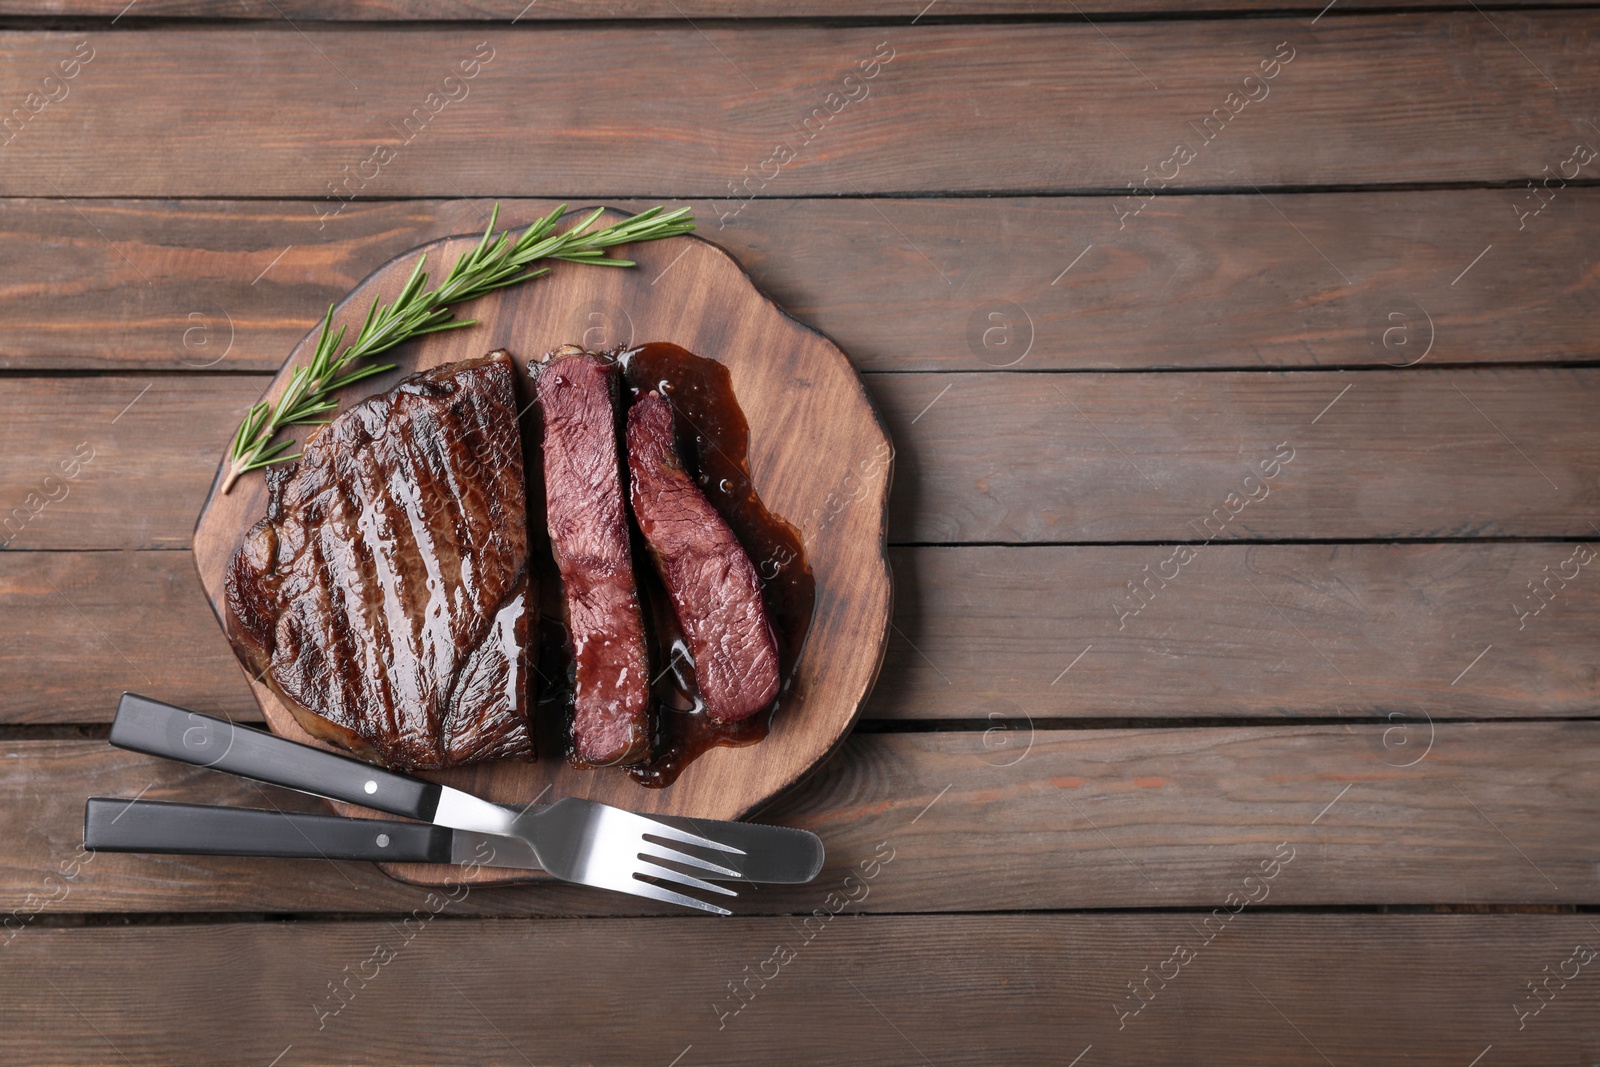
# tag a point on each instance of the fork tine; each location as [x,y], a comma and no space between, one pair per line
[672,833]
[655,892]
[668,874]
[662,852]
[599,845]
[616,819]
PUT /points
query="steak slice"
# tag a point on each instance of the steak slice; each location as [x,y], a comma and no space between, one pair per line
[577,394]
[386,594]
[713,585]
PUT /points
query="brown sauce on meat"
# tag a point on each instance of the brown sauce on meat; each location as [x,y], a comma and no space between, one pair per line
[714,447]
[683,730]
[713,440]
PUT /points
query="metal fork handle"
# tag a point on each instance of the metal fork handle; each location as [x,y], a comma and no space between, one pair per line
[157,729]
[115,825]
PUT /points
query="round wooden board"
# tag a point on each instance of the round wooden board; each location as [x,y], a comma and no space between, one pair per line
[819,456]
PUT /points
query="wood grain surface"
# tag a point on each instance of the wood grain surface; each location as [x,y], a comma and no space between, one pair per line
[1377,665]
[981,632]
[548,10]
[1016,817]
[818,457]
[1360,101]
[1271,989]
[1195,281]
[1015,458]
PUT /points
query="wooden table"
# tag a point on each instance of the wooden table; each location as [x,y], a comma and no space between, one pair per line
[1241,362]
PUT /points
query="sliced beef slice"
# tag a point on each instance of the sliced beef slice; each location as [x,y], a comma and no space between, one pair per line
[577,396]
[714,587]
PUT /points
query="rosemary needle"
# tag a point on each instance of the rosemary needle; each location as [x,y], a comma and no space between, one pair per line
[496,262]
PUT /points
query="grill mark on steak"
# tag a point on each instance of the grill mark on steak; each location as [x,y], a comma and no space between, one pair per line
[714,587]
[577,396]
[386,593]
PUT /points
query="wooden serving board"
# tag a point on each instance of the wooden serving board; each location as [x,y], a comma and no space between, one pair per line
[819,457]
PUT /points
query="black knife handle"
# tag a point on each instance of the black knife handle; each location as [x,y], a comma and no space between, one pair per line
[114,825]
[157,729]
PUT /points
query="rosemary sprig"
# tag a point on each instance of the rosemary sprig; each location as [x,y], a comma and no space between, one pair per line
[495,263]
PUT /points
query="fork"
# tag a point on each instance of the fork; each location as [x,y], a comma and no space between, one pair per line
[575,840]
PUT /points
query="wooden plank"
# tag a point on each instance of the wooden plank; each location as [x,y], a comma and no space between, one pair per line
[144,117]
[1042,633]
[980,457]
[1372,630]
[1012,818]
[550,10]
[1164,457]
[1018,989]
[134,455]
[1198,281]
[79,629]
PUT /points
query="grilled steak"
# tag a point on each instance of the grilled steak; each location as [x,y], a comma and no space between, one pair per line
[577,394]
[713,585]
[386,593]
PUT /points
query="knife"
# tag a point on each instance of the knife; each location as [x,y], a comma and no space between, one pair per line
[120,824]
[113,824]
[777,854]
